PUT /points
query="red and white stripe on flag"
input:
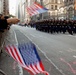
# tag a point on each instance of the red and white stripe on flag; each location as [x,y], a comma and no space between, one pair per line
[27,57]
[35,9]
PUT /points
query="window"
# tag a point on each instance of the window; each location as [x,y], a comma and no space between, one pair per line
[52,1]
[52,7]
[56,1]
[55,7]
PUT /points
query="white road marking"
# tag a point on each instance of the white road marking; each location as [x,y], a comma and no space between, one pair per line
[61,51]
[20,68]
[38,36]
[32,35]
[74,56]
[71,50]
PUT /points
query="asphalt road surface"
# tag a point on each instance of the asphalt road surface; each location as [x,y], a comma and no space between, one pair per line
[57,51]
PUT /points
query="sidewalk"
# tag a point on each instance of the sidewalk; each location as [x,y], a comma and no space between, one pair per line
[7,64]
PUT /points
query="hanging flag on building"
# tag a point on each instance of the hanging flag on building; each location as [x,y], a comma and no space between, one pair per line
[36,9]
[27,56]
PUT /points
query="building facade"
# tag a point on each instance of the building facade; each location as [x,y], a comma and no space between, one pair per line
[1,6]
[6,7]
[21,11]
[28,3]
[54,7]
[57,9]
[75,8]
[69,7]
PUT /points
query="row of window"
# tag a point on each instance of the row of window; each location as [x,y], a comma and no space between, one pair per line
[69,1]
[54,1]
[54,7]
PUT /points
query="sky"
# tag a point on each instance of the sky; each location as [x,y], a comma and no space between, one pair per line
[12,6]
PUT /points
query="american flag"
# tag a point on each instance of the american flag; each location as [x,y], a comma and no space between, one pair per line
[36,9]
[27,56]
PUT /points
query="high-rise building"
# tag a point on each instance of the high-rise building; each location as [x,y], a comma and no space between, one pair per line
[20,5]
[75,8]
[1,6]
[21,11]
[5,7]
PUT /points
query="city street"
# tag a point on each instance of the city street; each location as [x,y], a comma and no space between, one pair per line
[50,25]
[57,51]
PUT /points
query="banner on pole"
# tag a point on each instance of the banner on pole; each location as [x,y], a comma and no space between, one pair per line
[36,9]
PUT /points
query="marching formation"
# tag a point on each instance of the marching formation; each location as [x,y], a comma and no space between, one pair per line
[56,26]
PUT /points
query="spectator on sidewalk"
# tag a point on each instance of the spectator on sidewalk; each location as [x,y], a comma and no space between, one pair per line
[4,23]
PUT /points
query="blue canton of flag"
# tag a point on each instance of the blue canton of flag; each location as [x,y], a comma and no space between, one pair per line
[27,56]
